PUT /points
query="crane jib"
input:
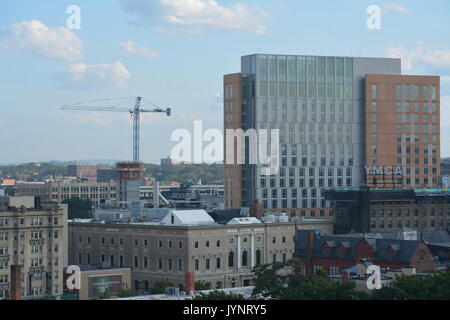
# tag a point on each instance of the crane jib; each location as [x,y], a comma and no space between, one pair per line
[135,112]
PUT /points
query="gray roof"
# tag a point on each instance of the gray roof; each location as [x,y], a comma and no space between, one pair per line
[345,247]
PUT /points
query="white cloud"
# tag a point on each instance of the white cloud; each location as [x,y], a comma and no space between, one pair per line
[393,7]
[200,13]
[133,50]
[419,57]
[33,36]
[84,76]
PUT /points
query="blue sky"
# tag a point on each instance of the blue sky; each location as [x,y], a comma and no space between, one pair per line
[174,53]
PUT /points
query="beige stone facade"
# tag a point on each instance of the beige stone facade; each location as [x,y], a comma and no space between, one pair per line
[220,255]
[36,240]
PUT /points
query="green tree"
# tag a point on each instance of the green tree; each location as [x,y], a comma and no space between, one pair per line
[124,293]
[218,295]
[285,281]
[435,286]
[200,285]
[79,208]
[160,286]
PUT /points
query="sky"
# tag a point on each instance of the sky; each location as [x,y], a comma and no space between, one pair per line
[174,53]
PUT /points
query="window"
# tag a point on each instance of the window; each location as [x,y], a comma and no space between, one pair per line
[136,261]
[196,244]
[316,268]
[197,264]
[258,257]
[207,264]
[218,263]
[231,259]
[373,91]
[244,258]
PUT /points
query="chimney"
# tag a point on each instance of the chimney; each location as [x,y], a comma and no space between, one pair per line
[15,282]
[189,283]
[310,243]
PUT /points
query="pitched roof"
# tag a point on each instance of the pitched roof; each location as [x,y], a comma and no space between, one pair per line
[404,248]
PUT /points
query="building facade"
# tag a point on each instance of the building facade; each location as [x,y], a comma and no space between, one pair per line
[33,249]
[402,131]
[98,193]
[334,254]
[320,105]
[84,172]
[383,210]
[221,255]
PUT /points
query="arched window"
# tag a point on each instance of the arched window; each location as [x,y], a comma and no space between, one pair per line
[258,257]
[231,259]
[244,258]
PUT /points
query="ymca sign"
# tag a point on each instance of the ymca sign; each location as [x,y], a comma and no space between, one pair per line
[384,170]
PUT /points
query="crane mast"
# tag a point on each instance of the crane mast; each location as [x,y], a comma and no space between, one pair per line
[135,112]
[136,129]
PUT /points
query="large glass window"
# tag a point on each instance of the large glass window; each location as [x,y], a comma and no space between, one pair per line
[301,76]
[311,76]
[330,77]
[348,87]
[272,67]
[292,76]
[339,78]
[321,76]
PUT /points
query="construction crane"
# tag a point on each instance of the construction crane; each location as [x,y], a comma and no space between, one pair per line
[134,112]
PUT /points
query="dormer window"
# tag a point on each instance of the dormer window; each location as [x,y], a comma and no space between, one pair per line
[393,251]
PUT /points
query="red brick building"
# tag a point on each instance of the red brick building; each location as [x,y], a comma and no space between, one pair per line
[334,254]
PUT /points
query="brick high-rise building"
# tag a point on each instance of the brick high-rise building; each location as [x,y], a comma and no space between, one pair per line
[322,107]
[402,129]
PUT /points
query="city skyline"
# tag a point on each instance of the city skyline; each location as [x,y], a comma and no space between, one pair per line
[129,51]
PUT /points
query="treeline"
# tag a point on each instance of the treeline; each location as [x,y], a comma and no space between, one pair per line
[32,171]
[285,282]
[186,173]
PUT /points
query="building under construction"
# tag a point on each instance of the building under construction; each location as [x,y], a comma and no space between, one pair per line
[129,178]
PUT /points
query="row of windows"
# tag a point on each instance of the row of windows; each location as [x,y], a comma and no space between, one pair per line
[83,189]
[411,128]
[304,203]
[305,76]
[407,212]
[414,92]
[408,223]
